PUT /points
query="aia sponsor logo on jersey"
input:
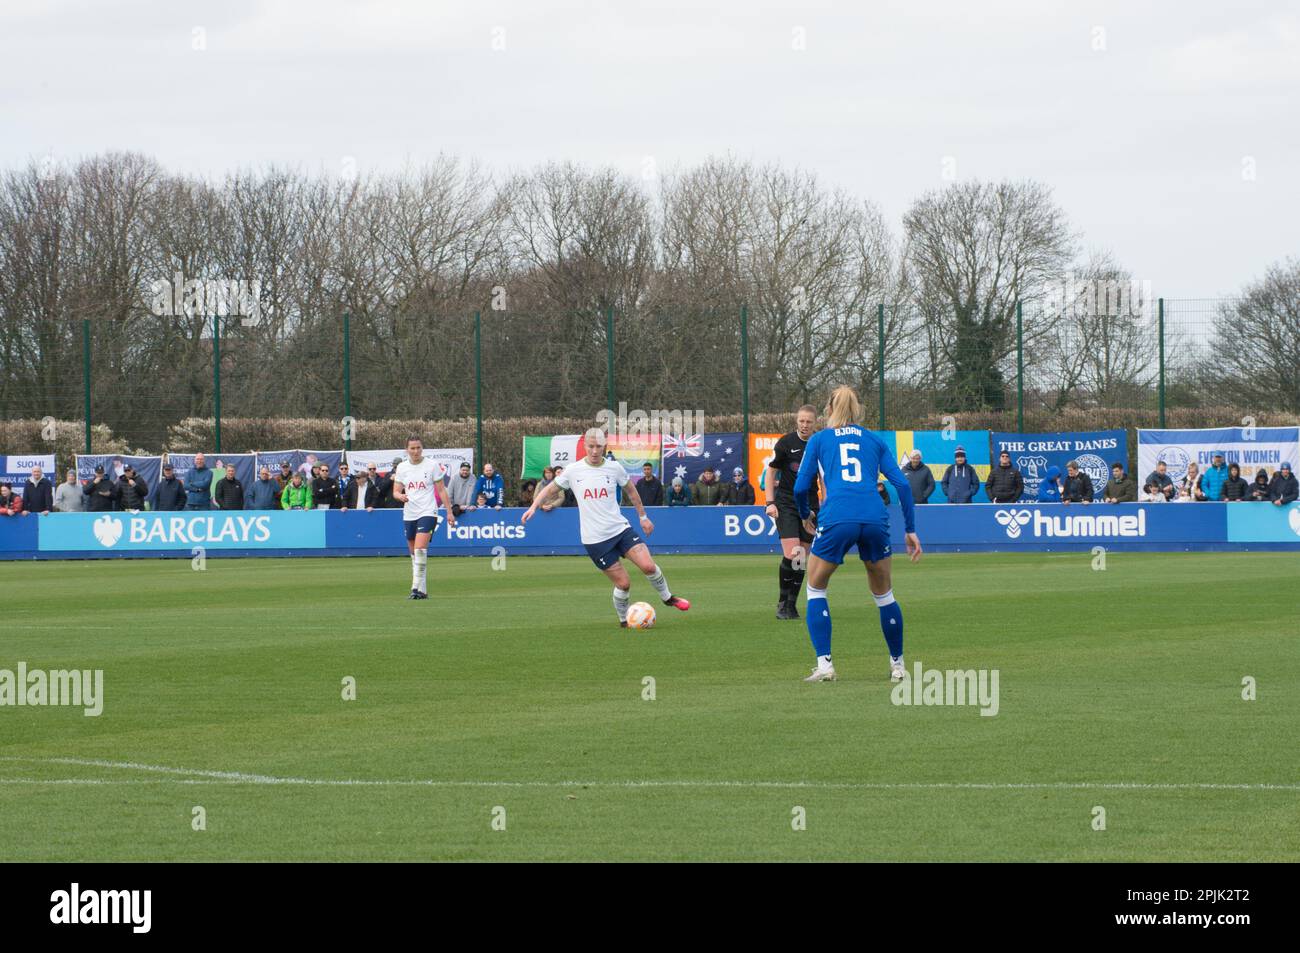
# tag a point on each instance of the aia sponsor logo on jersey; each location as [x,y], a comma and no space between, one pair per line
[416,485]
[601,494]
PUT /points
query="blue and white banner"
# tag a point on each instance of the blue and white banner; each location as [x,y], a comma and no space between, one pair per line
[300,460]
[149,468]
[106,533]
[245,465]
[686,456]
[1251,448]
[448,459]
[1033,453]
[16,469]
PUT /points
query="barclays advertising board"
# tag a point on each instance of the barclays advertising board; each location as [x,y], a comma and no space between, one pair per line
[104,533]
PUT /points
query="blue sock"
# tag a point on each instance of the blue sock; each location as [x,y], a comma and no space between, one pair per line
[818,616]
[891,622]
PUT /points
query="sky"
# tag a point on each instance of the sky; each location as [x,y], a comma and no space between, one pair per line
[1166,130]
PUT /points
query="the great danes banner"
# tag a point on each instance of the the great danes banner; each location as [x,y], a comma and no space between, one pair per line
[1249,447]
[1033,453]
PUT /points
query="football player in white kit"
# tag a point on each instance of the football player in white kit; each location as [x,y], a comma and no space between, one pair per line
[416,483]
[606,532]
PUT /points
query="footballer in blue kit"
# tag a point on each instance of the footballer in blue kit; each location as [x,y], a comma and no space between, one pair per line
[847,458]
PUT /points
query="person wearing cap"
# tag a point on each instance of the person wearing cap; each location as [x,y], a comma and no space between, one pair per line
[920,477]
[1214,478]
[1077,485]
[739,492]
[101,492]
[1121,488]
[706,491]
[265,492]
[68,497]
[169,494]
[286,473]
[460,488]
[649,488]
[131,490]
[1005,484]
[361,494]
[960,481]
[678,495]
[1283,488]
[198,485]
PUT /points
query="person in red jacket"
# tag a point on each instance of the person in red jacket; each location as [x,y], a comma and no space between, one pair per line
[11,504]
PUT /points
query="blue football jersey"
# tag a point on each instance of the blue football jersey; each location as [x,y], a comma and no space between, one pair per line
[848,460]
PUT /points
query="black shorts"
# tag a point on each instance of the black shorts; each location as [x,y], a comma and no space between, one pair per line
[788,524]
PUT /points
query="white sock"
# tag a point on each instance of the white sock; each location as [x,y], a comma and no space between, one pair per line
[896,661]
[620,603]
[886,600]
[824,662]
[419,565]
[660,583]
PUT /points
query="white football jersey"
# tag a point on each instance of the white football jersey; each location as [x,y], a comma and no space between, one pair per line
[418,479]
[596,489]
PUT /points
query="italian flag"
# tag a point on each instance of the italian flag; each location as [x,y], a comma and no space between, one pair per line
[542,452]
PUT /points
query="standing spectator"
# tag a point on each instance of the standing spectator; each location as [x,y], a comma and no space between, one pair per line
[265,493]
[920,477]
[1259,489]
[553,501]
[527,490]
[344,481]
[1005,485]
[1235,489]
[679,495]
[297,495]
[11,504]
[38,495]
[230,491]
[360,495]
[101,492]
[491,486]
[69,498]
[1284,488]
[1191,482]
[1049,488]
[169,494]
[1213,480]
[460,488]
[650,488]
[1077,487]
[198,485]
[706,491]
[132,492]
[285,475]
[960,481]
[1121,488]
[739,492]
[1160,479]
[324,491]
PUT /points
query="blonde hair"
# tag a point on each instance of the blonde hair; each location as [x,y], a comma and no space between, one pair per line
[843,408]
[597,433]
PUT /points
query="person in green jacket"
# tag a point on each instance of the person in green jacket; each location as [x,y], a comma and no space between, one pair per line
[296,495]
[1122,488]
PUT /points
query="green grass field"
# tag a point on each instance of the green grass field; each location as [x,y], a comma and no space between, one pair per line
[513,689]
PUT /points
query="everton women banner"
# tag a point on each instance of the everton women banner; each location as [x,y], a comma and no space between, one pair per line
[1251,448]
[1034,453]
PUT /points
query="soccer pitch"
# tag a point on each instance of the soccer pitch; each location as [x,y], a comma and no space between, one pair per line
[510,699]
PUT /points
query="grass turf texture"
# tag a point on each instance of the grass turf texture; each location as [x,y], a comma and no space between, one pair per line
[520,683]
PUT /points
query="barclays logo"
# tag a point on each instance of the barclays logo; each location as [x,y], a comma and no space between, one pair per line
[107,530]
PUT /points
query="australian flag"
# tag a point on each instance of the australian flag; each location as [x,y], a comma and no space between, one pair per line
[686,455]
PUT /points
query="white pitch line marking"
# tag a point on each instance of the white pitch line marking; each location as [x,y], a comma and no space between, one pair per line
[206,776]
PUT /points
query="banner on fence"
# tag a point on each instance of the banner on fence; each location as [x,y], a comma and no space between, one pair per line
[448,459]
[1033,453]
[937,448]
[245,465]
[1251,448]
[16,469]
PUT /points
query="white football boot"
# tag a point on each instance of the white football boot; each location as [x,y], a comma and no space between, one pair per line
[820,674]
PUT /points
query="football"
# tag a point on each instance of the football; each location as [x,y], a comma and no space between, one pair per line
[640,615]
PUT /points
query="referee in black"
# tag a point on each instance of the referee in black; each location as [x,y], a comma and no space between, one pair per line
[779,490]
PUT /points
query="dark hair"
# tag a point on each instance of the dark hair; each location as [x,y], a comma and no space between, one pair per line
[411,440]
